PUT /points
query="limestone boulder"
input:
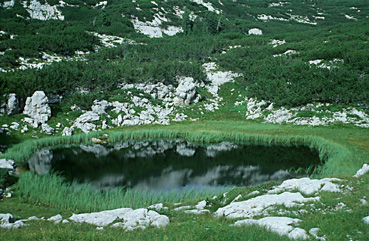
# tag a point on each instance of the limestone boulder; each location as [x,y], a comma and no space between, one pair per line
[47,129]
[37,107]
[84,121]
[186,92]
[255,31]
[100,107]
[131,219]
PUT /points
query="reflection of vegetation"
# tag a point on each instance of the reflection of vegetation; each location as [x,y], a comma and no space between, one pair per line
[86,166]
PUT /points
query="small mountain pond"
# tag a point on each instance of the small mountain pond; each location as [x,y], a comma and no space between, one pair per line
[169,164]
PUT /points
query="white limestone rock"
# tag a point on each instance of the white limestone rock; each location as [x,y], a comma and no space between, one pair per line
[43,12]
[255,206]
[104,125]
[153,28]
[33,218]
[67,131]
[8,4]
[7,164]
[208,5]
[103,218]
[14,126]
[201,205]
[217,78]
[314,232]
[157,206]
[56,219]
[308,186]
[8,221]
[89,116]
[279,116]
[281,225]
[47,129]
[132,219]
[6,218]
[180,117]
[83,122]
[37,107]
[298,233]
[366,220]
[255,31]
[362,171]
[182,208]
[100,107]
[186,92]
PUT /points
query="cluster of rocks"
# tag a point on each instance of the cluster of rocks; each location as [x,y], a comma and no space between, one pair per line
[41,11]
[263,205]
[322,116]
[154,28]
[289,194]
[185,94]
[128,218]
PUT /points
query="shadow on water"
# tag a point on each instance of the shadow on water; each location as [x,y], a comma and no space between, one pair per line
[172,164]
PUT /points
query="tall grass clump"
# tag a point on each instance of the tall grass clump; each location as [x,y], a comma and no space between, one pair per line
[52,190]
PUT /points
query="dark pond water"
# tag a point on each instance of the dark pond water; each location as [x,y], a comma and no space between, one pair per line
[168,164]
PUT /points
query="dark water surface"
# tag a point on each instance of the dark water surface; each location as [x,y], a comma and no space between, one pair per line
[169,164]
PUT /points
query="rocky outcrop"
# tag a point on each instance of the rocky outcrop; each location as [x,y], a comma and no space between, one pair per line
[186,92]
[84,121]
[129,219]
[280,225]
[8,221]
[100,107]
[37,107]
[217,78]
[44,12]
[319,114]
[47,129]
